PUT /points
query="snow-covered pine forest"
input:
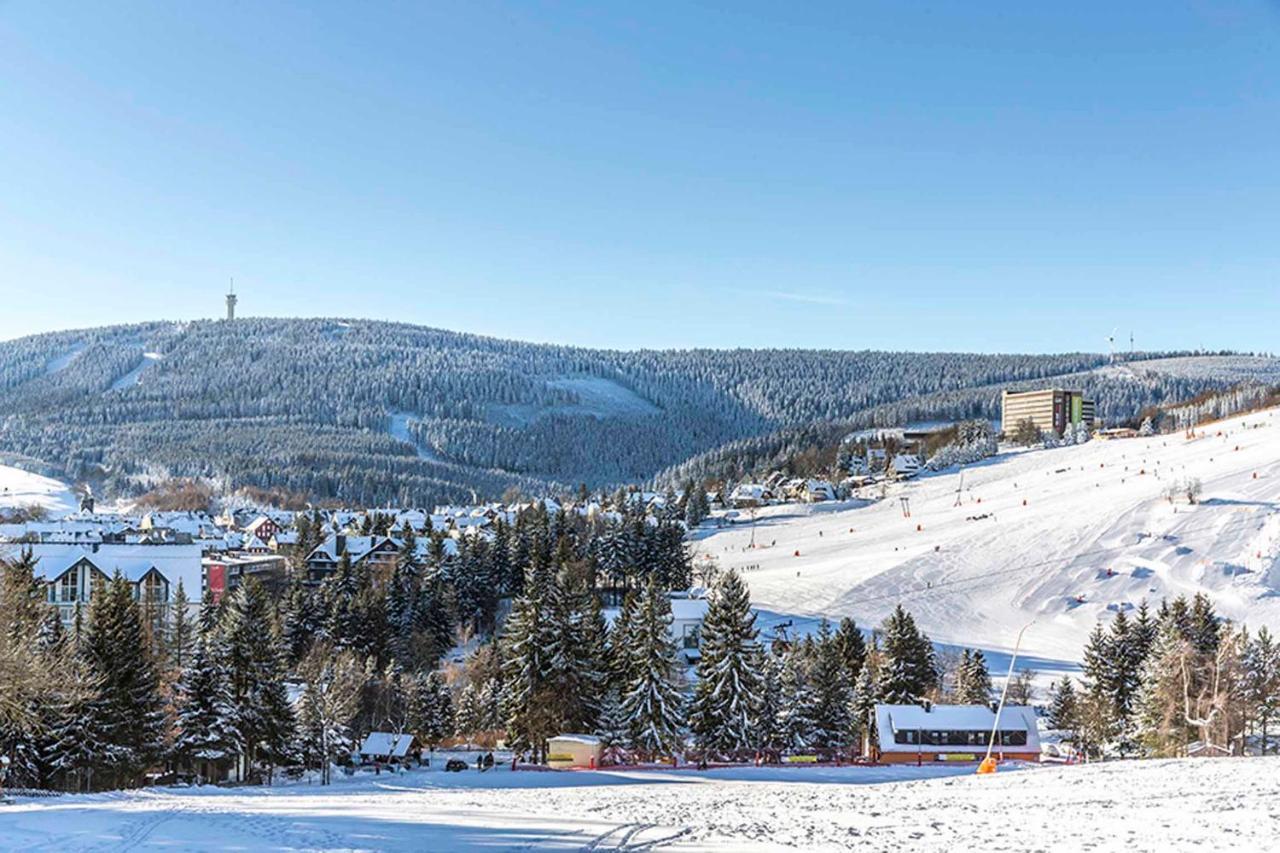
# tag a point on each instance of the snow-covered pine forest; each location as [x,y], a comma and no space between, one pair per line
[369,412]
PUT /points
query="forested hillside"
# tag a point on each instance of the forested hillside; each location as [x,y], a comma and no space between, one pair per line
[366,412]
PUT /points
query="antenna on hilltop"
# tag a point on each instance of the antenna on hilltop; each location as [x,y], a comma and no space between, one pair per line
[1111,346]
[231,300]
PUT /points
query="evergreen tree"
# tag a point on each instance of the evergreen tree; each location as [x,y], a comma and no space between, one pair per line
[180,629]
[853,649]
[127,714]
[1064,712]
[613,729]
[909,671]
[832,692]
[728,691]
[796,720]
[973,682]
[768,733]
[862,707]
[653,702]
[206,735]
[431,709]
[1262,683]
[254,660]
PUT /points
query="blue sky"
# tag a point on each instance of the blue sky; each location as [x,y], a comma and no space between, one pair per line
[936,176]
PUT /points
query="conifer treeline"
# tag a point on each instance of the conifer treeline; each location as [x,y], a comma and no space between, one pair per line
[1161,684]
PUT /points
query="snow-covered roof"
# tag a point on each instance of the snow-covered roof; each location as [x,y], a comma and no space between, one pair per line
[586,740]
[689,609]
[952,718]
[174,562]
[391,744]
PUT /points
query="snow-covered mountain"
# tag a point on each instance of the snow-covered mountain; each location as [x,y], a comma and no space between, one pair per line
[1057,537]
[369,412]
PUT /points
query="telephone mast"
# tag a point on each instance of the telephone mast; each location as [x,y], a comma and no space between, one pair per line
[231,301]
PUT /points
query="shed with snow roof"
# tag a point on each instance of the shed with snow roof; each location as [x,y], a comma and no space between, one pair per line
[389,746]
[569,751]
[909,733]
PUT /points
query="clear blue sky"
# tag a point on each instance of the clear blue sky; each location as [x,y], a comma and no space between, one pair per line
[973,176]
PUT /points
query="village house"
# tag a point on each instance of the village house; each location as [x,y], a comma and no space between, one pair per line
[917,734]
[71,571]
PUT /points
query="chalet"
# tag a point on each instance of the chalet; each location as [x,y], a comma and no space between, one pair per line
[262,528]
[377,552]
[750,495]
[916,733]
[71,571]
[906,465]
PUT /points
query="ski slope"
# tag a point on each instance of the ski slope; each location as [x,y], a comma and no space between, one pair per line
[1211,804]
[19,489]
[1060,537]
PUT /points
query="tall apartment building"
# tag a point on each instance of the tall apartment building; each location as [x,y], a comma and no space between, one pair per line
[1050,409]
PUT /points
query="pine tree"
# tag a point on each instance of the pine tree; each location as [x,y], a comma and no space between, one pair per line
[1261,686]
[866,695]
[727,694]
[180,629]
[973,683]
[796,721]
[127,713]
[909,671]
[254,660]
[613,729]
[206,735]
[1063,708]
[431,709]
[832,692]
[853,649]
[653,703]
[530,642]
[767,727]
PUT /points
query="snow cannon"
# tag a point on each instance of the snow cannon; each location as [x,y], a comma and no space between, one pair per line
[987,766]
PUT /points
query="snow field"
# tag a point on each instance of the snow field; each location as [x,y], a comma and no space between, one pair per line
[1062,537]
[1214,804]
[20,488]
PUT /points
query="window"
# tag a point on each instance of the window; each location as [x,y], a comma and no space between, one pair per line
[953,737]
[69,585]
[692,636]
[153,589]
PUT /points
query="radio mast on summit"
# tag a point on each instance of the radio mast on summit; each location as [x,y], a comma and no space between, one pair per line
[231,300]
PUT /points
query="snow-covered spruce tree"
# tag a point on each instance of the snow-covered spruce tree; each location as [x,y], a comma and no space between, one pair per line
[531,703]
[973,683]
[402,598]
[652,702]
[254,660]
[468,713]
[180,630]
[1122,678]
[128,710]
[729,684]
[301,619]
[866,695]
[431,709]
[1161,725]
[1064,712]
[591,659]
[613,729]
[908,673]
[796,716]
[1099,723]
[72,749]
[25,670]
[1147,428]
[1261,686]
[205,736]
[853,648]
[832,692]
[768,733]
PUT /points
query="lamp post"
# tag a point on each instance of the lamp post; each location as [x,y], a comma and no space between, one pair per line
[988,764]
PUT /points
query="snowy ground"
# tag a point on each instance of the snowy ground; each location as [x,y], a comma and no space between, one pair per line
[20,488]
[1214,804]
[1034,533]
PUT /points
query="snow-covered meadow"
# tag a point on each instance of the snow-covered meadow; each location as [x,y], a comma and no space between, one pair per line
[1063,537]
[1215,804]
[20,489]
